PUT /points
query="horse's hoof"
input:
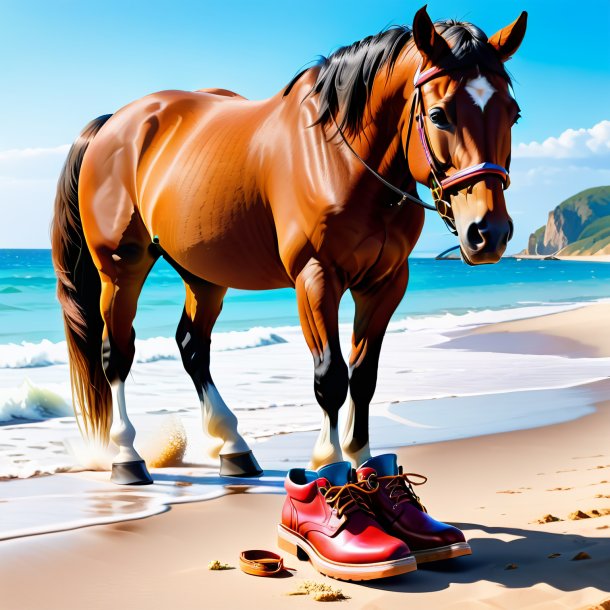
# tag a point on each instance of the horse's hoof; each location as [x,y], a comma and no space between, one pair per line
[239,465]
[131,473]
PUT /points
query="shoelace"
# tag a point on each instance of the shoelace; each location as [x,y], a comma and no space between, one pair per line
[401,489]
[341,497]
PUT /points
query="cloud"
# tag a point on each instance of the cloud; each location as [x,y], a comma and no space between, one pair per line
[18,154]
[571,144]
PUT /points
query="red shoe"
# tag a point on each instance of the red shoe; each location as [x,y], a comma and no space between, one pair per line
[400,512]
[328,520]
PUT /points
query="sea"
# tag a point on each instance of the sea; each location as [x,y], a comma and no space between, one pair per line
[29,311]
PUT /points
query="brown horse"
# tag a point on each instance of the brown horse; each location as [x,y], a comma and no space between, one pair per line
[313,188]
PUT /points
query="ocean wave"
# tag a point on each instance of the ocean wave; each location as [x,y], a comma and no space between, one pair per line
[30,355]
[451,321]
[47,353]
[31,402]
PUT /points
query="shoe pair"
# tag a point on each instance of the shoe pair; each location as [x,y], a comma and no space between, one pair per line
[362,524]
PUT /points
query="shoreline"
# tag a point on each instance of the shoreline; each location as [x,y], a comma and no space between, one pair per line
[391,431]
[557,349]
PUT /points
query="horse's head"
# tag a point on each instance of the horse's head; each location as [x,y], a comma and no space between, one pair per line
[458,131]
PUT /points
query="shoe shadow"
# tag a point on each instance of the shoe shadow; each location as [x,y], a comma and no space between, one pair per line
[514,558]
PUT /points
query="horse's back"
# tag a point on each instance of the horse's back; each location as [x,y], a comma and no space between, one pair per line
[183,162]
[221,92]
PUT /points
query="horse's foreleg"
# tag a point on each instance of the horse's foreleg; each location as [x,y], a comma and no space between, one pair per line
[202,307]
[318,294]
[122,280]
[374,308]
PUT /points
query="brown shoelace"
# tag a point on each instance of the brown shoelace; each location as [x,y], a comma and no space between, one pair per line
[342,497]
[401,489]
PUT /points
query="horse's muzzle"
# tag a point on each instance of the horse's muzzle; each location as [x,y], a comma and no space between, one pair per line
[485,241]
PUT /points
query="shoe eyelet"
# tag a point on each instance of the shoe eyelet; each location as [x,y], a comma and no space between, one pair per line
[372,482]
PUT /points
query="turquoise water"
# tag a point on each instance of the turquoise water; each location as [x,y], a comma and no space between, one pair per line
[29,310]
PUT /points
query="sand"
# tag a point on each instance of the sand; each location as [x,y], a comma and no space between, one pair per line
[494,487]
[579,333]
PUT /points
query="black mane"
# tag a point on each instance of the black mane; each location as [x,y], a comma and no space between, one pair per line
[345,77]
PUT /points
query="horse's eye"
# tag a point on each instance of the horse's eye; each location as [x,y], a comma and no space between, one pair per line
[439,118]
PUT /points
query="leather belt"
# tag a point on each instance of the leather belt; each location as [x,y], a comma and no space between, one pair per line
[260,563]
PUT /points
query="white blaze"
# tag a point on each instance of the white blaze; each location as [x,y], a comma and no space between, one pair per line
[480,91]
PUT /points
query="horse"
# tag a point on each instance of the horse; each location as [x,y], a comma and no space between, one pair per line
[313,188]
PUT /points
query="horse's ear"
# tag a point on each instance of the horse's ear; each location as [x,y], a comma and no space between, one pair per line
[428,41]
[507,40]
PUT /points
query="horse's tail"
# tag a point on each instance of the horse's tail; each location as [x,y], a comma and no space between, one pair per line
[78,291]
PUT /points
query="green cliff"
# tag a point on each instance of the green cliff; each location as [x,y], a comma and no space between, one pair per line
[578,226]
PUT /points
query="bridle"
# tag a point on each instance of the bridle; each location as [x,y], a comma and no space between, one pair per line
[439,179]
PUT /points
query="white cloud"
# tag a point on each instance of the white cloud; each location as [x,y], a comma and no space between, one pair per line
[17,154]
[571,144]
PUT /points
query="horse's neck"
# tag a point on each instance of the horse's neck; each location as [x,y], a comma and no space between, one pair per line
[380,141]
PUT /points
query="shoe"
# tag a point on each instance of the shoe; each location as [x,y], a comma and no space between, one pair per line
[401,513]
[328,520]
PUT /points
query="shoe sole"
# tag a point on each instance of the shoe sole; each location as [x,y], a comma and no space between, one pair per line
[440,553]
[292,542]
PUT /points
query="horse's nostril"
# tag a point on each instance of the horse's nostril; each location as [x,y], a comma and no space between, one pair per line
[511,230]
[474,236]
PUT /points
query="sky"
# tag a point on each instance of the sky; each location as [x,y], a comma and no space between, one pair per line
[66,62]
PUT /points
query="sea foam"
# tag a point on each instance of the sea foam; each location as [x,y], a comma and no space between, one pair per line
[31,402]
[47,353]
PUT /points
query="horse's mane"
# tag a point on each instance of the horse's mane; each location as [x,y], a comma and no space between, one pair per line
[345,77]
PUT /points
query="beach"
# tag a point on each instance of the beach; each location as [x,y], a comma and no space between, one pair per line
[496,487]
[225,220]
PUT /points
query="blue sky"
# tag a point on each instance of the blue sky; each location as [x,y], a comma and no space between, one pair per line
[66,62]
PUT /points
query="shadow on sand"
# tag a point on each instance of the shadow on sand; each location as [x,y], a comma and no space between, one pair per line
[494,548]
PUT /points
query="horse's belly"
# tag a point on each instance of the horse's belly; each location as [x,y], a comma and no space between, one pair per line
[226,263]
[226,242]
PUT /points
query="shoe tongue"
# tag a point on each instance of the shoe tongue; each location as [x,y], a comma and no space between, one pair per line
[337,473]
[385,465]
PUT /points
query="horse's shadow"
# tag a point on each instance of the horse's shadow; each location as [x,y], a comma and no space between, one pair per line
[520,562]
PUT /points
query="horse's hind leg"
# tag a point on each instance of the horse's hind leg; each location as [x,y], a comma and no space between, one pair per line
[122,272]
[202,307]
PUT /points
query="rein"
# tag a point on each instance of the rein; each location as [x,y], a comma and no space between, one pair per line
[403,194]
[437,183]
